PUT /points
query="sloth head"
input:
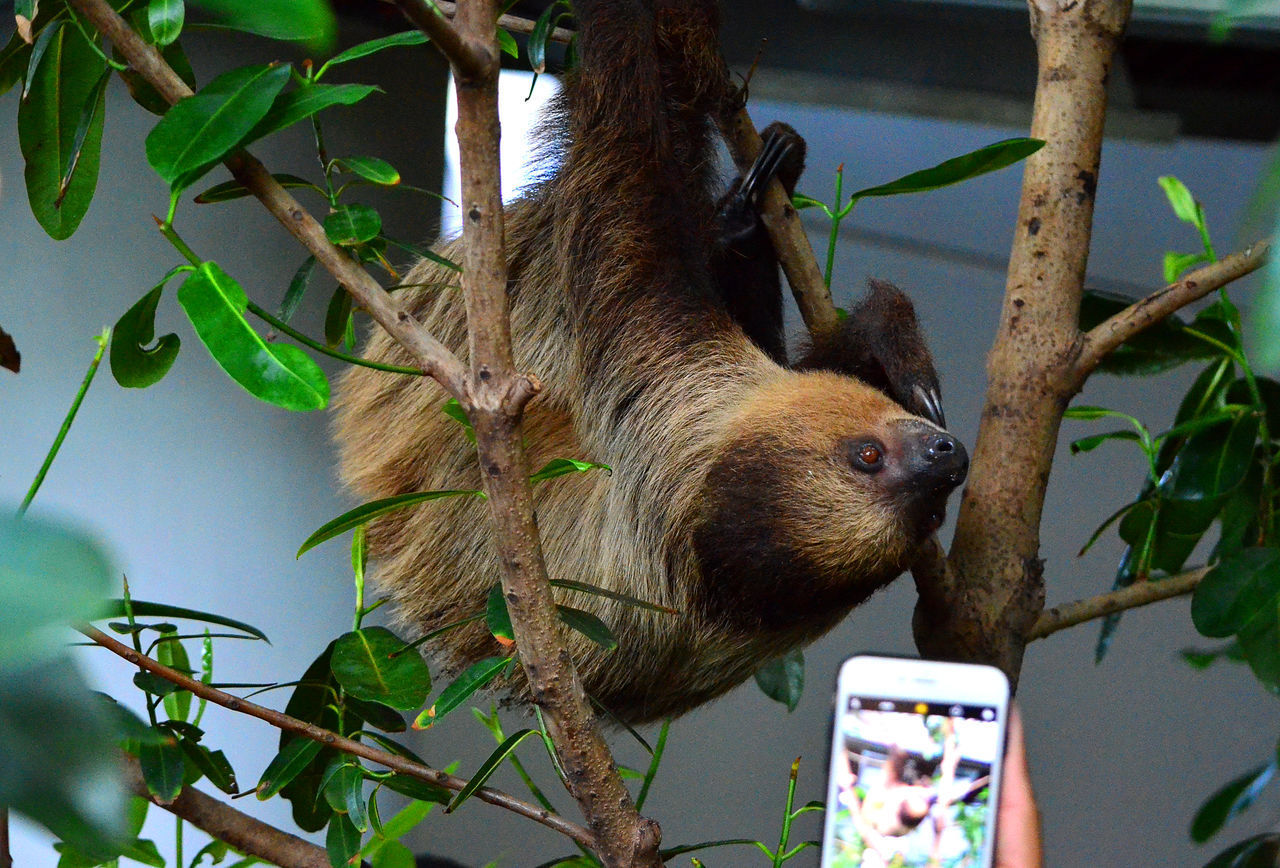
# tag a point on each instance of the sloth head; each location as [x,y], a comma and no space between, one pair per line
[822,492]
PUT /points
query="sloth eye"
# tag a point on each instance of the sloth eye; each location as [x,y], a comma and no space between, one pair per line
[867,455]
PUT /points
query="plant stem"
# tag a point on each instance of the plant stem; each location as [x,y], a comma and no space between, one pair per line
[177,842]
[787,816]
[836,215]
[284,328]
[102,339]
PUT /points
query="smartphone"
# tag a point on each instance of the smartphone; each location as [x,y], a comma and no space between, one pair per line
[916,753]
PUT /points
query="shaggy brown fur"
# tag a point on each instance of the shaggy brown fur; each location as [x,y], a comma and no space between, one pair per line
[737,495]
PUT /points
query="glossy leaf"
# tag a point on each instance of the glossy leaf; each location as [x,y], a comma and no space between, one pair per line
[344,791]
[295,756]
[145,609]
[475,677]
[372,169]
[305,101]
[135,363]
[153,684]
[229,190]
[782,679]
[417,789]
[171,653]
[980,162]
[165,18]
[404,822]
[612,595]
[371,510]
[208,126]
[352,224]
[90,118]
[342,841]
[14,59]
[1213,461]
[541,34]
[1175,263]
[297,288]
[1087,444]
[497,617]
[143,93]
[368,663]
[309,21]
[67,76]
[338,328]
[393,854]
[1229,802]
[425,252]
[279,374]
[213,764]
[588,625]
[561,466]
[162,769]
[373,46]
[488,767]
[377,714]
[507,44]
[1240,587]
[1260,851]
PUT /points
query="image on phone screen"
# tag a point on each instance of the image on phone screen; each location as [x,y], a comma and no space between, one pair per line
[911,783]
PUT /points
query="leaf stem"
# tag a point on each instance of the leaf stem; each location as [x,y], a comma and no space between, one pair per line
[284,328]
[836,216]
[780,855]
[102,339]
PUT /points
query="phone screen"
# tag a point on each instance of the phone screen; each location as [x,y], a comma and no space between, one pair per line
[912,783]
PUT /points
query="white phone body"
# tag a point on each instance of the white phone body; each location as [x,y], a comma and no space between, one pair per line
[916,755]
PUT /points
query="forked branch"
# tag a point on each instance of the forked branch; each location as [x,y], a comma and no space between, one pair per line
[1092,608]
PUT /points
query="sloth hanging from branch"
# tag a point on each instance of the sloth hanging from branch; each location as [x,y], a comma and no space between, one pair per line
[754,497]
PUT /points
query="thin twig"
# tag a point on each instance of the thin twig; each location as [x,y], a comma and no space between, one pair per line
[289,724]
[247,834]
[1139,594]
[1146,312]
[433,356]
[6,858]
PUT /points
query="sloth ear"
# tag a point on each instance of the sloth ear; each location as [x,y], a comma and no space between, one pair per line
[880,343]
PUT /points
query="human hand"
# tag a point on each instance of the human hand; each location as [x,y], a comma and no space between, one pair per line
[1018,842]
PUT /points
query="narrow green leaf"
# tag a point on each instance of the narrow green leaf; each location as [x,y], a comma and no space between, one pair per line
[488,767]
[570,585]
[67,76]
[171,653]
[1180,198]
[1256,852]
[367,665]
[229,190]
[14,59]
[497,617]
[343,789]
[425,252]
[782,679]
[213,764]
[165,18]
[295,756]
[337,318]
[560,466]
[371,510]
[309,21]
[90,114]
[279,374]
[404,822]
[37,53]
[342,841]
[588,625]
[1229,802]
[297,289]
[305,101]
[416,789]
[352,224]
[1175,263]
[133,364]
[144,609]
[153,684]
[1213,461]
[206,127]
[453,409]
[541,34]
[507,44]
[373,46]
[162,769]
[371,169]
[1087,444]
[987,159]
[476,677]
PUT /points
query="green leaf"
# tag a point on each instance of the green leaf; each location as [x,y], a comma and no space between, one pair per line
[213,764]
[344,791]
[371,510]
[425,252]
[145,852]
[417,789]
[153,684]
[297,288]
[570,585]
[1175,263]
[90,114]
[404,822]
[67,76]
[560,466]
[165,18]
[337,318]
[373,46]
[162,769]
[488,767]
[295,756]
[171,653]
[133,364]
[507,43]
[276,373]
[1213,461]
[1257,852]
[1087,444]
[141,90]
[497,617]
[309,21]
[541,34]
[453,409]
[352,224]
[305,101]
[588,625]
[208,126]
[1229,802]
[980,162]
[476,677]
[229,190]
[1160,347]
[14,59]
[1237,589]
[371,169]
[372,664]
[50,576]
[393,854]
[342,841]
[144,609]
[377,714]
[1180,199]
[782,679]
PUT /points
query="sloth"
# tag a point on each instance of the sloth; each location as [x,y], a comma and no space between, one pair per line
[756,502]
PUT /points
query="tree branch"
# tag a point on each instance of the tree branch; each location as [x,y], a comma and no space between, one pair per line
[435,359]
[513,23]
[1139,594]
[469,58]
[247,834]
[331,739]
[1146,312]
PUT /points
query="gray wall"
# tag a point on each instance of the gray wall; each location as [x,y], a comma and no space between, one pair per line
[1121,754]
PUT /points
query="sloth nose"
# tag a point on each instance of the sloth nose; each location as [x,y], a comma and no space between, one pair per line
[945,459]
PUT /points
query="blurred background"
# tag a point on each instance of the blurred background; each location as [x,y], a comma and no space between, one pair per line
[204,494]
